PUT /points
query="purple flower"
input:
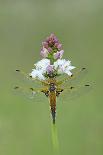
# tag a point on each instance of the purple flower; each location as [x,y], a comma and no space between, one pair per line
[55,39]
[49,49]
[51,40]
[51,45]
[49,69]
[58,45]
[58,54]
[45,44]
[44,52]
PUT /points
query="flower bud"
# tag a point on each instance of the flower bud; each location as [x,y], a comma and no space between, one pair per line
[49,49]
[45,44]
[44,52]
[58,54]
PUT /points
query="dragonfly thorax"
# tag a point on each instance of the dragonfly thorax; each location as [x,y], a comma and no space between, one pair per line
[52,87]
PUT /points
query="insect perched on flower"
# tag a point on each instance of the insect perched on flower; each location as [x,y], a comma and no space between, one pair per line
[49,68]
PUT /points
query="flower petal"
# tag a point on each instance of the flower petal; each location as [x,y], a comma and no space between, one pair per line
[37,74]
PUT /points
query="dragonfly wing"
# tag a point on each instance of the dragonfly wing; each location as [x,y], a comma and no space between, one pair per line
[77,76]
[73,92]
[30,93]
[28,79]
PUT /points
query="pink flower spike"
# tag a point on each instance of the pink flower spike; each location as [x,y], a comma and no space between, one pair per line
[49,69]
[59,54]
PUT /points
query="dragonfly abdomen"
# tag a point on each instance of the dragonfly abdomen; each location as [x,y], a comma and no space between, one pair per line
[52,97]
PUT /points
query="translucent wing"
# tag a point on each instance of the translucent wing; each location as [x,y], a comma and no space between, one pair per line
[30,93]
[34,87]
[73,91]
[28,79]
[76,77]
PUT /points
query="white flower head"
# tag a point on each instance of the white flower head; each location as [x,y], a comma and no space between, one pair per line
[42,65]
[40,69]
[63,66]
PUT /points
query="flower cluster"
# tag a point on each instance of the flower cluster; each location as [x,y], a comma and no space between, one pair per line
[52,64]
[51,47]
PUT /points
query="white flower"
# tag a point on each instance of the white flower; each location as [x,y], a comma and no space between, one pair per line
[40,69]
[37,74]
[42,65]
[59,63]
[63,66]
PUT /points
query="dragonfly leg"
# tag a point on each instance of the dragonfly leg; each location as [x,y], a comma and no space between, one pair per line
[46,92]
[58,91]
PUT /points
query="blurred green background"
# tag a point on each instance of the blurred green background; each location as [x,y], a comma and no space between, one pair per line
[25,125]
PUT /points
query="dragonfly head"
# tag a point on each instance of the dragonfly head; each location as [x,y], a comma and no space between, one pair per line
[52,87]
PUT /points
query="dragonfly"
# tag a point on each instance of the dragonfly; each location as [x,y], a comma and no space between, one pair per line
[53,87]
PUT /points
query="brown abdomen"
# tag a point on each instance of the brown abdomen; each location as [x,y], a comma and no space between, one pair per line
[52,96]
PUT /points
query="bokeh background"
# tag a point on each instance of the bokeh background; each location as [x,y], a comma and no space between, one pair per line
[25,125]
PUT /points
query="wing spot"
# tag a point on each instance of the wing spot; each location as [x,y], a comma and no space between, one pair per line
[17,70]
[83,68]
[31,89]
[71,87]
[16,87]
[87,85]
